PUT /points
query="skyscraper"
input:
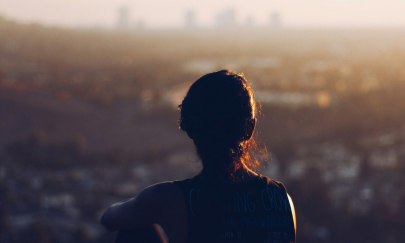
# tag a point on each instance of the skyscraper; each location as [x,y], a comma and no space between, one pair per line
[226,18]
[123,17]
[190,19]
[275,19]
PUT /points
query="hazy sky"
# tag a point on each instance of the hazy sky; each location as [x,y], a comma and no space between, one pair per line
[171,12]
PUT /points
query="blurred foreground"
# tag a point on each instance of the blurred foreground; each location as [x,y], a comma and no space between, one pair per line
[90,117]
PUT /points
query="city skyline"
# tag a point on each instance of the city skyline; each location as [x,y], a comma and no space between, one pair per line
[160,13]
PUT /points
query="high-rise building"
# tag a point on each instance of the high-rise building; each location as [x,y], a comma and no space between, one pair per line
[123,17]
[190,19]
[249,21]
[226,18]
[275,19]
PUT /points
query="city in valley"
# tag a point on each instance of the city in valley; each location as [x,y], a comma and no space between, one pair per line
[90,117]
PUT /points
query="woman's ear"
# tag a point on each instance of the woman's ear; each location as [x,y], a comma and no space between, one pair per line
[250,128]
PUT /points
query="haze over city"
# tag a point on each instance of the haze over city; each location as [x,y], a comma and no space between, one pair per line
[163,13]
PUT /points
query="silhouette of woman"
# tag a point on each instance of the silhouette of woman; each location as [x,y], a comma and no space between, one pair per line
[227,201]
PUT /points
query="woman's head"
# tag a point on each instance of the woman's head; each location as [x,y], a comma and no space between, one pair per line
[219,115]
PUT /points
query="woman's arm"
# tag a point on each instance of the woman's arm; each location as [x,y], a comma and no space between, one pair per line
[143,210]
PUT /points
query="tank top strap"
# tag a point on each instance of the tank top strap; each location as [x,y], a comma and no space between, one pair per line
[188,187]
[268,182]
[185,185]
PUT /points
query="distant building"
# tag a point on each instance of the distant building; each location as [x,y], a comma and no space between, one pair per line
[249,21]
[190,19]
[123,17]
[275,19]
[226,18]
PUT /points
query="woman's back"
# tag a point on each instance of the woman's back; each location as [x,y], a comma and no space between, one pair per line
[254,210]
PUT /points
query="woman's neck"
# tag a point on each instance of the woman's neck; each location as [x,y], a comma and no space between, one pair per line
[233,173]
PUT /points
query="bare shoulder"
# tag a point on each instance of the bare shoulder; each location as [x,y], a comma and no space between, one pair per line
[150,206]
[160,192]
[166,186]
[158,197]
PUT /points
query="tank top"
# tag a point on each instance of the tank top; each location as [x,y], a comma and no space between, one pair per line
[254,211]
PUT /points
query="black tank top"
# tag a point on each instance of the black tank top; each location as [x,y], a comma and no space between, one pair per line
[255,211]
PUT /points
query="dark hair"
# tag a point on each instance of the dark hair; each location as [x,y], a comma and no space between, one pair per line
[219,115]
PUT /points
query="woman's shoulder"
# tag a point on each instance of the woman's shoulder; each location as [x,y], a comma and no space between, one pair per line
[157,203]
[160,191]
[269,182]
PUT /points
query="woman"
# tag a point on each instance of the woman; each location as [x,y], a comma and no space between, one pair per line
[227,201]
